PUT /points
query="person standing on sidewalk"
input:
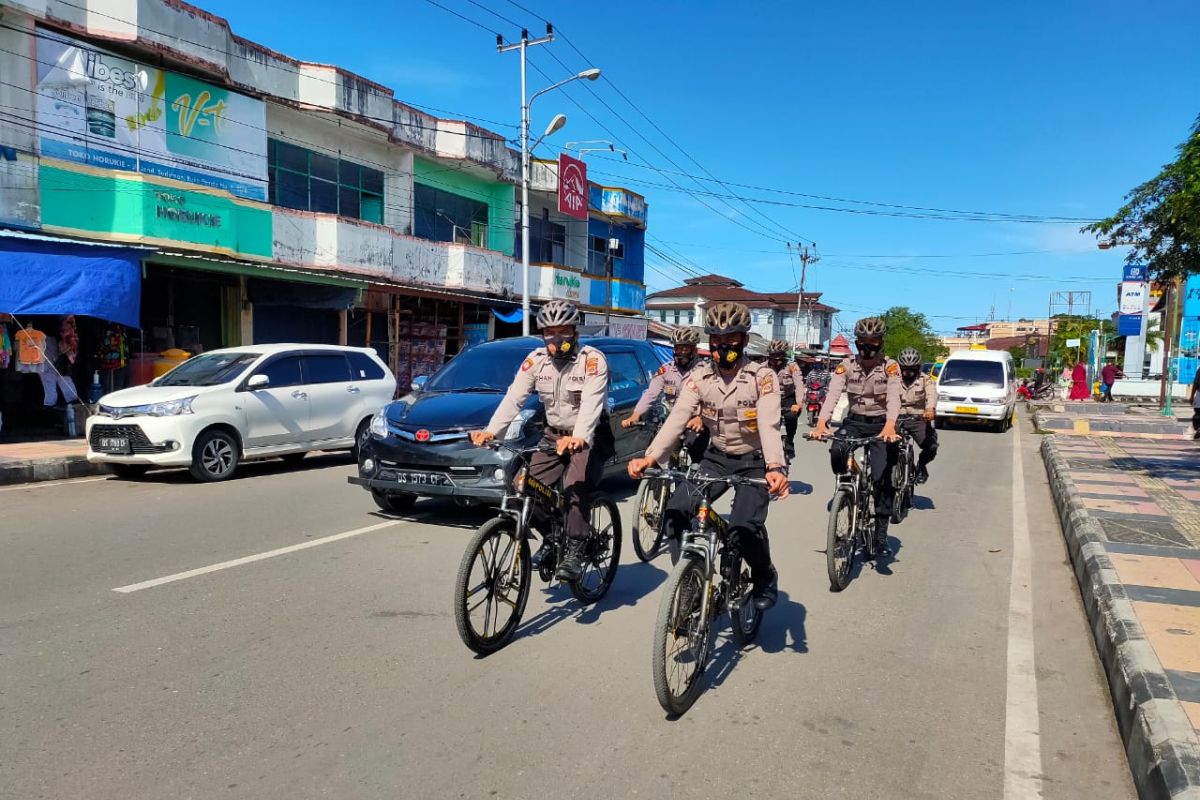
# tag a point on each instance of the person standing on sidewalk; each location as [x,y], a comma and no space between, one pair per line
[1079,387]
[1194,398]
[1108,376]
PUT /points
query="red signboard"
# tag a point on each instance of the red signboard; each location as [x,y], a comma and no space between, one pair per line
[572,187]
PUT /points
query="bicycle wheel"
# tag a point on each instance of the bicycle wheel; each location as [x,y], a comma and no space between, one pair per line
[681,638]
[648,519]
[902,475]
[603,553]
[489,594]
[839,538]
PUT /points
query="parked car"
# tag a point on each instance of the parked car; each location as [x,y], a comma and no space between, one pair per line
[223,407]
[418,446]
[977,385]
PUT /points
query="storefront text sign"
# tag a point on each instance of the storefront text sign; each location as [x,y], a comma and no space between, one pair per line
[572,187]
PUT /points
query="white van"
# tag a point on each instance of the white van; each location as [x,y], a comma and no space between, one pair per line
[978,385]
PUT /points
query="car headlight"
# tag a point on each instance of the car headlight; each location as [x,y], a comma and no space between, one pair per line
[517,426]
[170,408]
[379,428]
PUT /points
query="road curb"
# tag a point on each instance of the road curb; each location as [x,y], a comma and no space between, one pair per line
[51,469]
[1160,742]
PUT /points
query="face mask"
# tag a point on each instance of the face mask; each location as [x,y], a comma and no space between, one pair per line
[908,375]
[776,364]
[726,355]
[683,362]
[564,346]
[869,351]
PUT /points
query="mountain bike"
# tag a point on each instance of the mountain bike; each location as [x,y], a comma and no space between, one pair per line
[708,580]
[904,473]
[851,515]
[652,496]
[494,574]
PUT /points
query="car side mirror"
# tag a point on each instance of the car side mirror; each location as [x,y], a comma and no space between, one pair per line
[418,383]
[257,382]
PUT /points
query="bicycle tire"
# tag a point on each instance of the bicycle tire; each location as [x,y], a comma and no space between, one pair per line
[903,486]
[483,643]
[603,544]
[650,491]
[840,539]
[675,613]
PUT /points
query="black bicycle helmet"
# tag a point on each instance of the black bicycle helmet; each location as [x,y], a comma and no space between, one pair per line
[685,336]
[870,327]
[558,313]
[727,317]
[909,357]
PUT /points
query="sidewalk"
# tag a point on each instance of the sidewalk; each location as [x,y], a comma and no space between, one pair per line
[1130,511]
[1110,419]
[26,462]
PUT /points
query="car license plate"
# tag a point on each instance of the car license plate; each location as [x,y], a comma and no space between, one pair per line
[423,478]
[113,444]
[966,409]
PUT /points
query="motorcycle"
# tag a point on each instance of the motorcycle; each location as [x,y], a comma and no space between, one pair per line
[814,398]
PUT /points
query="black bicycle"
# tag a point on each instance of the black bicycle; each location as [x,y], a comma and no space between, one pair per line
[708,580]
[904,474]
[492,586]
[851,515]
[650,507]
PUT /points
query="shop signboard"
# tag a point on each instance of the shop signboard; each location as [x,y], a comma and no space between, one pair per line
[98,109]
[572,187]
[1129,325]
[1191,297]
[1135,272]
[1133,297]
[622,327]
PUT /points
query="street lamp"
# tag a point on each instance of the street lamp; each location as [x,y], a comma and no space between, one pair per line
[590,74]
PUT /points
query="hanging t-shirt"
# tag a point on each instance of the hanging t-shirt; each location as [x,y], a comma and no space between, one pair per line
[6,348]
[113,349]
[68,338]
[31,344]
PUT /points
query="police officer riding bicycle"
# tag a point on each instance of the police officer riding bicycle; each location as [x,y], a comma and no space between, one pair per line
[572,382]
[918,402]
[668,383]
[790,379]
[739,403]
[872,383]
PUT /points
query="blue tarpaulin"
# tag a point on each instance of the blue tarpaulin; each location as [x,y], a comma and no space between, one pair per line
[510,317]
[43,275]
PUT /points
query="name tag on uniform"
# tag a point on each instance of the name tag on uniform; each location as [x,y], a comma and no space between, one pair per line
[668,390]
[748,417]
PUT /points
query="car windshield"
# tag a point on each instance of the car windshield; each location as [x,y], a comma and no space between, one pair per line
[987,373]
[480,369]
[208,370]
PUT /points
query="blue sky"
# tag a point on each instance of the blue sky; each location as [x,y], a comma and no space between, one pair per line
[1045,109]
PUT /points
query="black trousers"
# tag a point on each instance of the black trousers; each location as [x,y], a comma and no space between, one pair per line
[696,443]
[747,520]
[883,459]
[924,434]
[790,421]
[580,473]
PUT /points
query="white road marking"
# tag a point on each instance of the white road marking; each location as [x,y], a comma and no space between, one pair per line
[237,562]
[1022,737]
[48,484]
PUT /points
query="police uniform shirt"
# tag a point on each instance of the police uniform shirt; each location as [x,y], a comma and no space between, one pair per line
[919,396]
[668,382]
[789,379]
[741,416]
[873,393]
[574,393]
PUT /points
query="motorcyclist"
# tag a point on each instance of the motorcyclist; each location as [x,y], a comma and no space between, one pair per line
[790,378]
[918,404]
[572,382]
[668,383]
[872,383]
[738,401]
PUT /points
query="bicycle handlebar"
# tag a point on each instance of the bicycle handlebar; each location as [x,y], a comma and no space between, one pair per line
[540,447]
[702,480]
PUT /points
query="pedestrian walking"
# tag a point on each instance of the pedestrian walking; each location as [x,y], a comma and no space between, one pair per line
[1108,376]
[1194,397]
[1079,383]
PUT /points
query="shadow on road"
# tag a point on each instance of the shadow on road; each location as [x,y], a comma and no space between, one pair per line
[921,503]
[246,470]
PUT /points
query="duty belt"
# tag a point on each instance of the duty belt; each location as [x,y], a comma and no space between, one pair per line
[752,455]
[560,431]
[867,418]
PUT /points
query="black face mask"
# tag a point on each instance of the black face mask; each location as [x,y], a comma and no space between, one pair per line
[564,347]
[868,351]
[776,363]
[684,362]
[726,355]
[909,375]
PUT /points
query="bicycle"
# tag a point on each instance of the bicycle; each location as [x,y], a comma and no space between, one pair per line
[851,516]
[698,590]
[904,474]
[652,496]
[497,561]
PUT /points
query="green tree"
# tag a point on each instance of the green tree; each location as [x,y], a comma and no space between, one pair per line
[1161,217]
[908,328]
[1017,353]
[1075,327]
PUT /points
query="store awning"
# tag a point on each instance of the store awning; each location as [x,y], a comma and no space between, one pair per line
[50,275]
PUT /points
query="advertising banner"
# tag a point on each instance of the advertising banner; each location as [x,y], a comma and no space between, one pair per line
[1129,325]
[622,327]
[1133,297]
[1135,272]
[572,187]
[105,111]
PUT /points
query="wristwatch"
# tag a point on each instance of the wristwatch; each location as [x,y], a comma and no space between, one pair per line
[780,470]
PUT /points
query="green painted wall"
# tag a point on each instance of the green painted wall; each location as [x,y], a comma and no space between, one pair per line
[134,209]
[498,196]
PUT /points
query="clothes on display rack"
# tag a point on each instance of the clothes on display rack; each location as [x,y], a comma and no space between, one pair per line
[68,339]
[53,381]
[114,348]
[31,345]
[6,347]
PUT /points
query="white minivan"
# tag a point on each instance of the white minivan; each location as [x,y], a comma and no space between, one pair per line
[978,385]
[223,407]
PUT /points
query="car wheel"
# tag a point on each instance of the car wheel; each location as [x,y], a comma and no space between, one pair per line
[360,436]
[128,472]
[215,456]
[393,503]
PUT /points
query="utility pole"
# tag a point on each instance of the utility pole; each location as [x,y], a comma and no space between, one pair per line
[806,258]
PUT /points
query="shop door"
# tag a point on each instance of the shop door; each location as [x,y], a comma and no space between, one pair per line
[279,414]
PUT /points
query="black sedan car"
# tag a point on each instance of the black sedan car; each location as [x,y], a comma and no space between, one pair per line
[418,446]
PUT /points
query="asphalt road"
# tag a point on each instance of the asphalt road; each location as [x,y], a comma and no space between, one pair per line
[335,670]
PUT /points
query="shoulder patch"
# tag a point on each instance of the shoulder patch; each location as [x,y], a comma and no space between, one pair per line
[527,364]
[766,381]
[691,384]
[661,370]
[592,365]
[841,370]
[893,368]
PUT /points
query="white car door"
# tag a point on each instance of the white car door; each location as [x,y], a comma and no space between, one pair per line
[278,414]
[333,398]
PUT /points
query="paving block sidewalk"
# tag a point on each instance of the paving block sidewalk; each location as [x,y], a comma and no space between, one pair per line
[27,462]
[1130,511]
[1110,419]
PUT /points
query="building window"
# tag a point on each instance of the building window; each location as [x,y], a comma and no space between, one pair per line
[677,316]
[311,181]
[447,217]
[547,241]
[598,256]
[662,316]
[692,317]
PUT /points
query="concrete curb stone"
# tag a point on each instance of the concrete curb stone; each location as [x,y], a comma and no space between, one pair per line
[1163,752]
[53,469]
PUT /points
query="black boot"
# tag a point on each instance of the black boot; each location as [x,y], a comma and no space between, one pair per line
[571,568]
[766,593]
[922,474]
[881,537]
